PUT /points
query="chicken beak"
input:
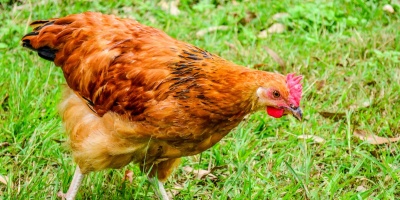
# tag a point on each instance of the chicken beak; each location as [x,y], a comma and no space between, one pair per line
[296,112]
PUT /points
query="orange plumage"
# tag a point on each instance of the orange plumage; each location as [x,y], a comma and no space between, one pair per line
[137,95]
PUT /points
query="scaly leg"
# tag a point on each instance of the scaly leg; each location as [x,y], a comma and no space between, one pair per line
[158,173]
[159,187]
[74,186]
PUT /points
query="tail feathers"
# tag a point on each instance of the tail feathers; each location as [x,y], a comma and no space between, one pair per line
[31,38]
[38,25]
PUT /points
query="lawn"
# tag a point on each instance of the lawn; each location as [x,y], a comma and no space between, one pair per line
[347,51]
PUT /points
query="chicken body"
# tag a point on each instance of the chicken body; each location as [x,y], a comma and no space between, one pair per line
[135,94]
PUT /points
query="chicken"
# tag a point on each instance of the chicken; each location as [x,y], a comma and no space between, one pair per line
[135,94]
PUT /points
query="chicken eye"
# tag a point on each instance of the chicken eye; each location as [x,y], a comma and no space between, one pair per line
[276,94]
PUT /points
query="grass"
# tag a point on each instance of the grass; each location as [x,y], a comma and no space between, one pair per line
[348,52]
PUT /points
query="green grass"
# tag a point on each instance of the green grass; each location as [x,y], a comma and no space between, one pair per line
[348,52]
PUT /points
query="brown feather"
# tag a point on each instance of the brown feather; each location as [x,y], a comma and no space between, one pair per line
[136,94]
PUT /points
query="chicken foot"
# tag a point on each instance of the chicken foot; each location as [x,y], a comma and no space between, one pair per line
[74,186]
[159,188]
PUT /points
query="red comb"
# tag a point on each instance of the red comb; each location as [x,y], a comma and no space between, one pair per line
[295,88]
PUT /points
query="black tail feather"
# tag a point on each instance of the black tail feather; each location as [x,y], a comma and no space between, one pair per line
[38,22]
[27,44]
[38,28]
[44,52]
[47,53]
[32,33]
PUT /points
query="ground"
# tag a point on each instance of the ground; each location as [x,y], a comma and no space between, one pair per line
[348,52]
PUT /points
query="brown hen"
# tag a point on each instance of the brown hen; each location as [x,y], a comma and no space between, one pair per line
[137,95]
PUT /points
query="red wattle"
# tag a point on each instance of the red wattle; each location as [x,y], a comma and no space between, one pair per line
[275,112]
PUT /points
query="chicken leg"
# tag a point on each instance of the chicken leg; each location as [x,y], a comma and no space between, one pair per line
[159,188]
[158,173]
[73,188]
